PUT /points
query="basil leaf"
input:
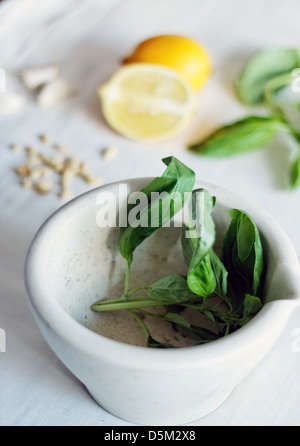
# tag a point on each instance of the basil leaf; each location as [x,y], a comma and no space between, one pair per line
[252,305]
[152,343]
[180,324]
[295,173]
[242,136]
[221,275]
[218,273]
[177,319]
[201,335]
[242,256]
[172,288]
[209,316]
[199,237]
[262,67]
[197,240]
[176,182]
[201,280]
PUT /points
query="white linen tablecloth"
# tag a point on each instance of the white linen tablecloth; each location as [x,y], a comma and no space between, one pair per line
[89,39]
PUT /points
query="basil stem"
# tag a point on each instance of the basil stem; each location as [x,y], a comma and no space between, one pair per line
[129,303]
[261,67]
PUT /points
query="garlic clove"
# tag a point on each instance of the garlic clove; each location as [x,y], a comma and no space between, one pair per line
[33,78]
[109,153]
[10,103]
[54,93]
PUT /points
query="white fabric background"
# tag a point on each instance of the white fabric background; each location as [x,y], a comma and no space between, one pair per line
[89,38]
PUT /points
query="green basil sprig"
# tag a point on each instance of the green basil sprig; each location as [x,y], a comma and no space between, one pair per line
[280,109]
[236,277]
[265,74]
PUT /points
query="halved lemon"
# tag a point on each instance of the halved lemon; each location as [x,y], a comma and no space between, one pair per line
[147,102]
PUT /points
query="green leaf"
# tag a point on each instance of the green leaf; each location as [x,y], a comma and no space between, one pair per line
[201,335]
[201,280]
[221,275]
[199,235]
[252,305]
[242,136]
[175,184]
[173,289]
[152,343]
[197,239]
[262,67]
[177,319]
[295,173]
[209,316]
[180,324]
[242,256]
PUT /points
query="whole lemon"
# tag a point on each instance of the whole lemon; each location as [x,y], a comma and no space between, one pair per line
[180,53]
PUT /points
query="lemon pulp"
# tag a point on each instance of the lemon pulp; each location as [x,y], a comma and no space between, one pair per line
[147,102]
